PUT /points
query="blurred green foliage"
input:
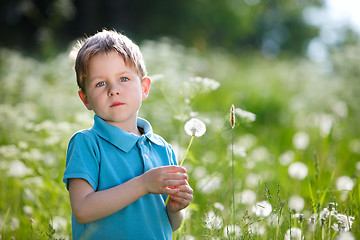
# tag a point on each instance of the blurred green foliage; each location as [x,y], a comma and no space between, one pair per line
[293,99]
[240,25]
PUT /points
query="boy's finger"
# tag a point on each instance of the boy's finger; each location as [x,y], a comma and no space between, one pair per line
[172,183]
[174,169]
[176,176]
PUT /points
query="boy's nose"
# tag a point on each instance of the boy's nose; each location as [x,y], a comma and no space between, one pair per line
[113,90]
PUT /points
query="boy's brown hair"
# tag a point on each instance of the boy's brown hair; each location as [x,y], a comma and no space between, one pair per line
[105,42]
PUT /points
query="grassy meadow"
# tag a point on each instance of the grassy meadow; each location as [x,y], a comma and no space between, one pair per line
[292,171]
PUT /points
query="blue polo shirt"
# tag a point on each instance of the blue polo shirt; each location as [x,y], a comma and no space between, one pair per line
[107,156]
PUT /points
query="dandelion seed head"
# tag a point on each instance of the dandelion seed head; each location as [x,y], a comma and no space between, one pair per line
[212,221]
[344,183]
[341,109]
[301,140]
[239,150]
[195,127]
[286,158]
[14,223]
[253,180]
[28,210]
[262,209]
[345,236]
[296,203]
[259,154]
[293,234]
[248,197]
[209,184]
[18,169]
[298,170]
[219,206]
[232,231]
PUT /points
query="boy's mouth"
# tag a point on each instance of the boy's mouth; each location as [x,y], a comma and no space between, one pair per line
[115,104]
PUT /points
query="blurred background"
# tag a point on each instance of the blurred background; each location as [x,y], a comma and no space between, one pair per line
[290,67]
[306,27]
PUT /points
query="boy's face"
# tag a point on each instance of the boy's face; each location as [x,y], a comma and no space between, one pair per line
[113,90]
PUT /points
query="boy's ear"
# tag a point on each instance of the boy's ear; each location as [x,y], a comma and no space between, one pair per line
[85,99]
[145,85]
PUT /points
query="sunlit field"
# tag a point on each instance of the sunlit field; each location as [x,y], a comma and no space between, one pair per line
[289,169]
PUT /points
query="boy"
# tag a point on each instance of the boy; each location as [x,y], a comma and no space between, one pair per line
[119,172]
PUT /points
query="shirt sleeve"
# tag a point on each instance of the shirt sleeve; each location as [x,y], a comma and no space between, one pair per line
[82,159]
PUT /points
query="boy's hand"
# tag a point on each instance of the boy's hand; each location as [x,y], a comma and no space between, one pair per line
[165,180]
[181,199]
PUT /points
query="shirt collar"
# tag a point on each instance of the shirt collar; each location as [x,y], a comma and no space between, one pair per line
[122,139]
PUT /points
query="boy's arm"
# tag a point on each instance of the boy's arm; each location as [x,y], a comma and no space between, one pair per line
[89,205]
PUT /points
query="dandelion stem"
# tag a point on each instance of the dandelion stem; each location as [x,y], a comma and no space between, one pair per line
[187,150]
[183,159]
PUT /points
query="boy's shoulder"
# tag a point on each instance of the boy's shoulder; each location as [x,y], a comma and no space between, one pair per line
[84,135]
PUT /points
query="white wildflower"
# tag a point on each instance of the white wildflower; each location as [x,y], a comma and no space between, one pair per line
[239,151]
[286,158]
[296,203]
[253,180]
[344,223]
[209,184]
[195,127]
[219,206]
[301,140]
[344,183]
[245,114]
[341,109]
[59,223]
[260,153]
[199,172]
[312,223]
[28,210]
[298,170]
[324,214]
[248,197]
[262,209]
[212,221]
[204,84]
[293,233]
[256,228]
[232,231]
[345,236]
[14,223]
[18,169]
[247,141]
[326,122]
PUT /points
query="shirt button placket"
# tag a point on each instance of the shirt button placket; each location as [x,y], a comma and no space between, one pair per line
[144,151]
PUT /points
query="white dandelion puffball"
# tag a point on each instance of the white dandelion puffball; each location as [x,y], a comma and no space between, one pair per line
[301,140]
[344,183]
[262,209]
[212,221]
[298,170]
[195,127]
[297,203]
[293,233]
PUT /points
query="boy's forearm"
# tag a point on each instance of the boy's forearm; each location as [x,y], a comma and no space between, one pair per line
[175,218]
[100,204]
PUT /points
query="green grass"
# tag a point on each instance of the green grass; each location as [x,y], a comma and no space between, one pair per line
[40,110]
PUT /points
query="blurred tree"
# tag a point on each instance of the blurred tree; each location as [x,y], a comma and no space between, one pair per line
[269,25]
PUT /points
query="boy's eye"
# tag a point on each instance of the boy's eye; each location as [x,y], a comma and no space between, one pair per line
[123,79]
[102,83]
